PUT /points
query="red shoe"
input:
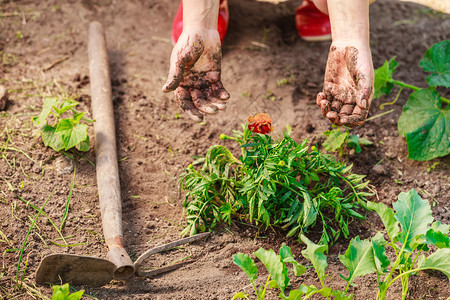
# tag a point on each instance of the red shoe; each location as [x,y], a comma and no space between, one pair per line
[312,25]
[222,24]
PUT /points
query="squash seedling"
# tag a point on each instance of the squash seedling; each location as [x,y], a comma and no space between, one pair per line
[63,133]
[425,119]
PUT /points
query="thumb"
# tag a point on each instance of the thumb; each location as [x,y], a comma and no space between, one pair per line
[364,95]
[176,72]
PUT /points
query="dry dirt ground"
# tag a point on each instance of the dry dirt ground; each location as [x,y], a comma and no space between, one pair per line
[43,46]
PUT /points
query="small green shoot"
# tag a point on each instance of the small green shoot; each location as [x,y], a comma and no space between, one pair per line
[285,81]
[337,140]
[62,292]
[432,166]
[62,133]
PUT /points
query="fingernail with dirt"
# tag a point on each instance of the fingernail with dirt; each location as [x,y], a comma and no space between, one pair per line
[364,103]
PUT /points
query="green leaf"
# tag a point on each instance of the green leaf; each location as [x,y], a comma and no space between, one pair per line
[66,105]
[358,259]
[293,295]
[62,292]
[246,264]
[438,226]
[51,139]
[383,78]
[335,139]
[78,116]
[353,142]
[387,217]
[436,238]
[275,266]
[437,61]
[287,257]
[46,109]
[314,253]
[325,292]
[76,295]
[439,260]
[308,290]
[414,215]
[239,295]
[425,125]
[71,134]
[84,145]
[340,295]
[364,141]
[273,284]
[379,253]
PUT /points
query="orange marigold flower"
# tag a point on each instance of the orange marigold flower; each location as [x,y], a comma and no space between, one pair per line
[260,123]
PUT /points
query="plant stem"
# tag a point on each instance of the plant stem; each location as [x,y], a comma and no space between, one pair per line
[403,274]
[415,88]
[395,100]
[382,114]
[265,287]
[409,86]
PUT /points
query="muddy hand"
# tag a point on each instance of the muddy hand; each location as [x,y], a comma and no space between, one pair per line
[194,74]
[348,86]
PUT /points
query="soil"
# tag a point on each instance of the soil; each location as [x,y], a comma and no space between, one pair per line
[44,53]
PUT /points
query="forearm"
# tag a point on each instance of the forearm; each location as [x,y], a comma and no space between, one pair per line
[349,21]
[200,13]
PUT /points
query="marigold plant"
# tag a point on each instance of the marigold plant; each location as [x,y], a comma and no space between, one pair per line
[272,183]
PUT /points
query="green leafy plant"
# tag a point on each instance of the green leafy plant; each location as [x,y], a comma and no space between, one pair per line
[276,265]
[273,184]
[411,230]
[337,140]
[426,115]
[63,133]
[62,292]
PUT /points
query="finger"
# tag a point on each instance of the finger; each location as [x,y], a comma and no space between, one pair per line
[175,76]
[201,103]
[347,109]
[320,96]
[336,106]
[364,94]
[325,106]
[219,90]
[184,101]
[220,104]
[358,111]
[333,117]
[353,120]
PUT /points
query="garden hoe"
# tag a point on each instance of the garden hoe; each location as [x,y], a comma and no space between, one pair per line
[95,271]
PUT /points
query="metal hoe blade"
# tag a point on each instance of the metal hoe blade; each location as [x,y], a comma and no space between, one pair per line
[75,269]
